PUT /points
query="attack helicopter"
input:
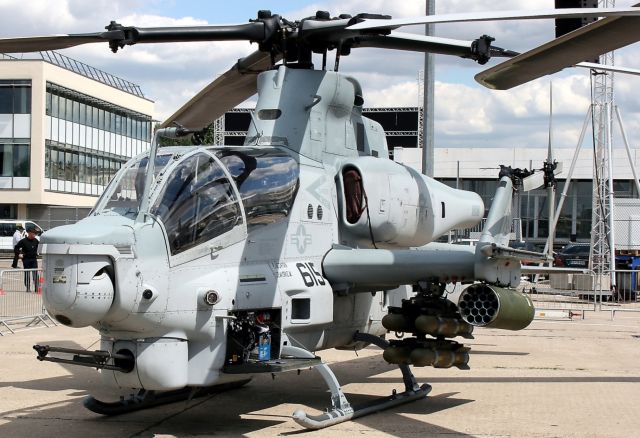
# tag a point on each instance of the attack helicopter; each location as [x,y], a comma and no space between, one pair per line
[203,266]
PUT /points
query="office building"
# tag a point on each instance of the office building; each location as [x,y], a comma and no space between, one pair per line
[65,129]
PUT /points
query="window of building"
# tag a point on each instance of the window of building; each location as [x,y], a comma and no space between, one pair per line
[14,160]
[101,117]
[94,169]
[22,99]
[15,97]
[83,114]
[21,160]
[47,162]
[82,168]
[55,111]
[68,109]
[94,117]
[6,100]
[9,211]
[48,104]
[100,172]
[68,170]
[75,114]
[75,171]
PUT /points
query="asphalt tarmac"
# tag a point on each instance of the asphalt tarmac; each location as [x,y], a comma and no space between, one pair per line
[564,378]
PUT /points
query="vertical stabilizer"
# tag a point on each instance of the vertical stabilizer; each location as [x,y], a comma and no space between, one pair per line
[490,266]
[498,225]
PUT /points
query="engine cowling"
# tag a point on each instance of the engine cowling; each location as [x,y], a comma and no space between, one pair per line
[394,205]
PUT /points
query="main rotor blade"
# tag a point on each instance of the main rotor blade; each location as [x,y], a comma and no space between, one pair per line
[51,42]
[416,43]
[228,90]
[612,68]
[369,24]
[118,36]
[584,43]
[428,44]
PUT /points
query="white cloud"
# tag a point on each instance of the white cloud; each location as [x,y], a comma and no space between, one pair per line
[457,111]
[467,114]
[403,94]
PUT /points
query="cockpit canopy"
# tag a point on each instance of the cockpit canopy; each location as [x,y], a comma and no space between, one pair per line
[208,192]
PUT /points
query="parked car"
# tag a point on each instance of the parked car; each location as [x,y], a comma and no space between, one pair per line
[574,255]
[526,245]
[8,227]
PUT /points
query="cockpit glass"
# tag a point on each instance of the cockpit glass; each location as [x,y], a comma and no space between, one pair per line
[267,179]
[124,193]
[197,203]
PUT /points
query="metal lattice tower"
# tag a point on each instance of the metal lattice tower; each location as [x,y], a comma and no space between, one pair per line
[421,109]
[218,130]
[602,256]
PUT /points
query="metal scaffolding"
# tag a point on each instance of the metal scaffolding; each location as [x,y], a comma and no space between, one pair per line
[602,256]
[219,131]
[420,109]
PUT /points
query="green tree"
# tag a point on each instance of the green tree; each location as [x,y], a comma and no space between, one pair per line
[205,136]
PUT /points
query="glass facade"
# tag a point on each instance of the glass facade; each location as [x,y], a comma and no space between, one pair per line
[15,134]
[88,140]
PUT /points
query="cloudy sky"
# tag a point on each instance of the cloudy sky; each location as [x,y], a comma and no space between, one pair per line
[467,114]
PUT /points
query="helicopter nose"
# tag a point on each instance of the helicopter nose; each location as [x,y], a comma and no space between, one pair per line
[79,269]
[79,289]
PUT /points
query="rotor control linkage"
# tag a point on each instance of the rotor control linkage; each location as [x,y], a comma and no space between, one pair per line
[120,36]
[482,50]
[98,359]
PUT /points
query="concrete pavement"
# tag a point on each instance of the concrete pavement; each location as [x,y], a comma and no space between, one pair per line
[555,379]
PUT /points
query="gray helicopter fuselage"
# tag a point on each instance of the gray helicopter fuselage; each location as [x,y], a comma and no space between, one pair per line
[234,234]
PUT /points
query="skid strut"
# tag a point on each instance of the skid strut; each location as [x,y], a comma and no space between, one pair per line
[341,410]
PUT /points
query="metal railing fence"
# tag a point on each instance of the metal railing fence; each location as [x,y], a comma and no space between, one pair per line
[575,293]
[21,304]
[625,297]
[569,293]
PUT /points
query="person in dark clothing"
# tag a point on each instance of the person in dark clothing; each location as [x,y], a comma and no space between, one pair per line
[17,237]
[29,249]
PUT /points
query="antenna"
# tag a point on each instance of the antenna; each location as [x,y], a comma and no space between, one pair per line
[550,180]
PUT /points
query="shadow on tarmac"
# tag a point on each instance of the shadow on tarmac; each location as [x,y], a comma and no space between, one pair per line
[262,404]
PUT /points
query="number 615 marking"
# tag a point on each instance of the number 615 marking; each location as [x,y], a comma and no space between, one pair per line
[309,275]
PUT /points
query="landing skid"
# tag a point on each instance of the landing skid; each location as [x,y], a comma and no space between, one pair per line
[144,399]
[341,410]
